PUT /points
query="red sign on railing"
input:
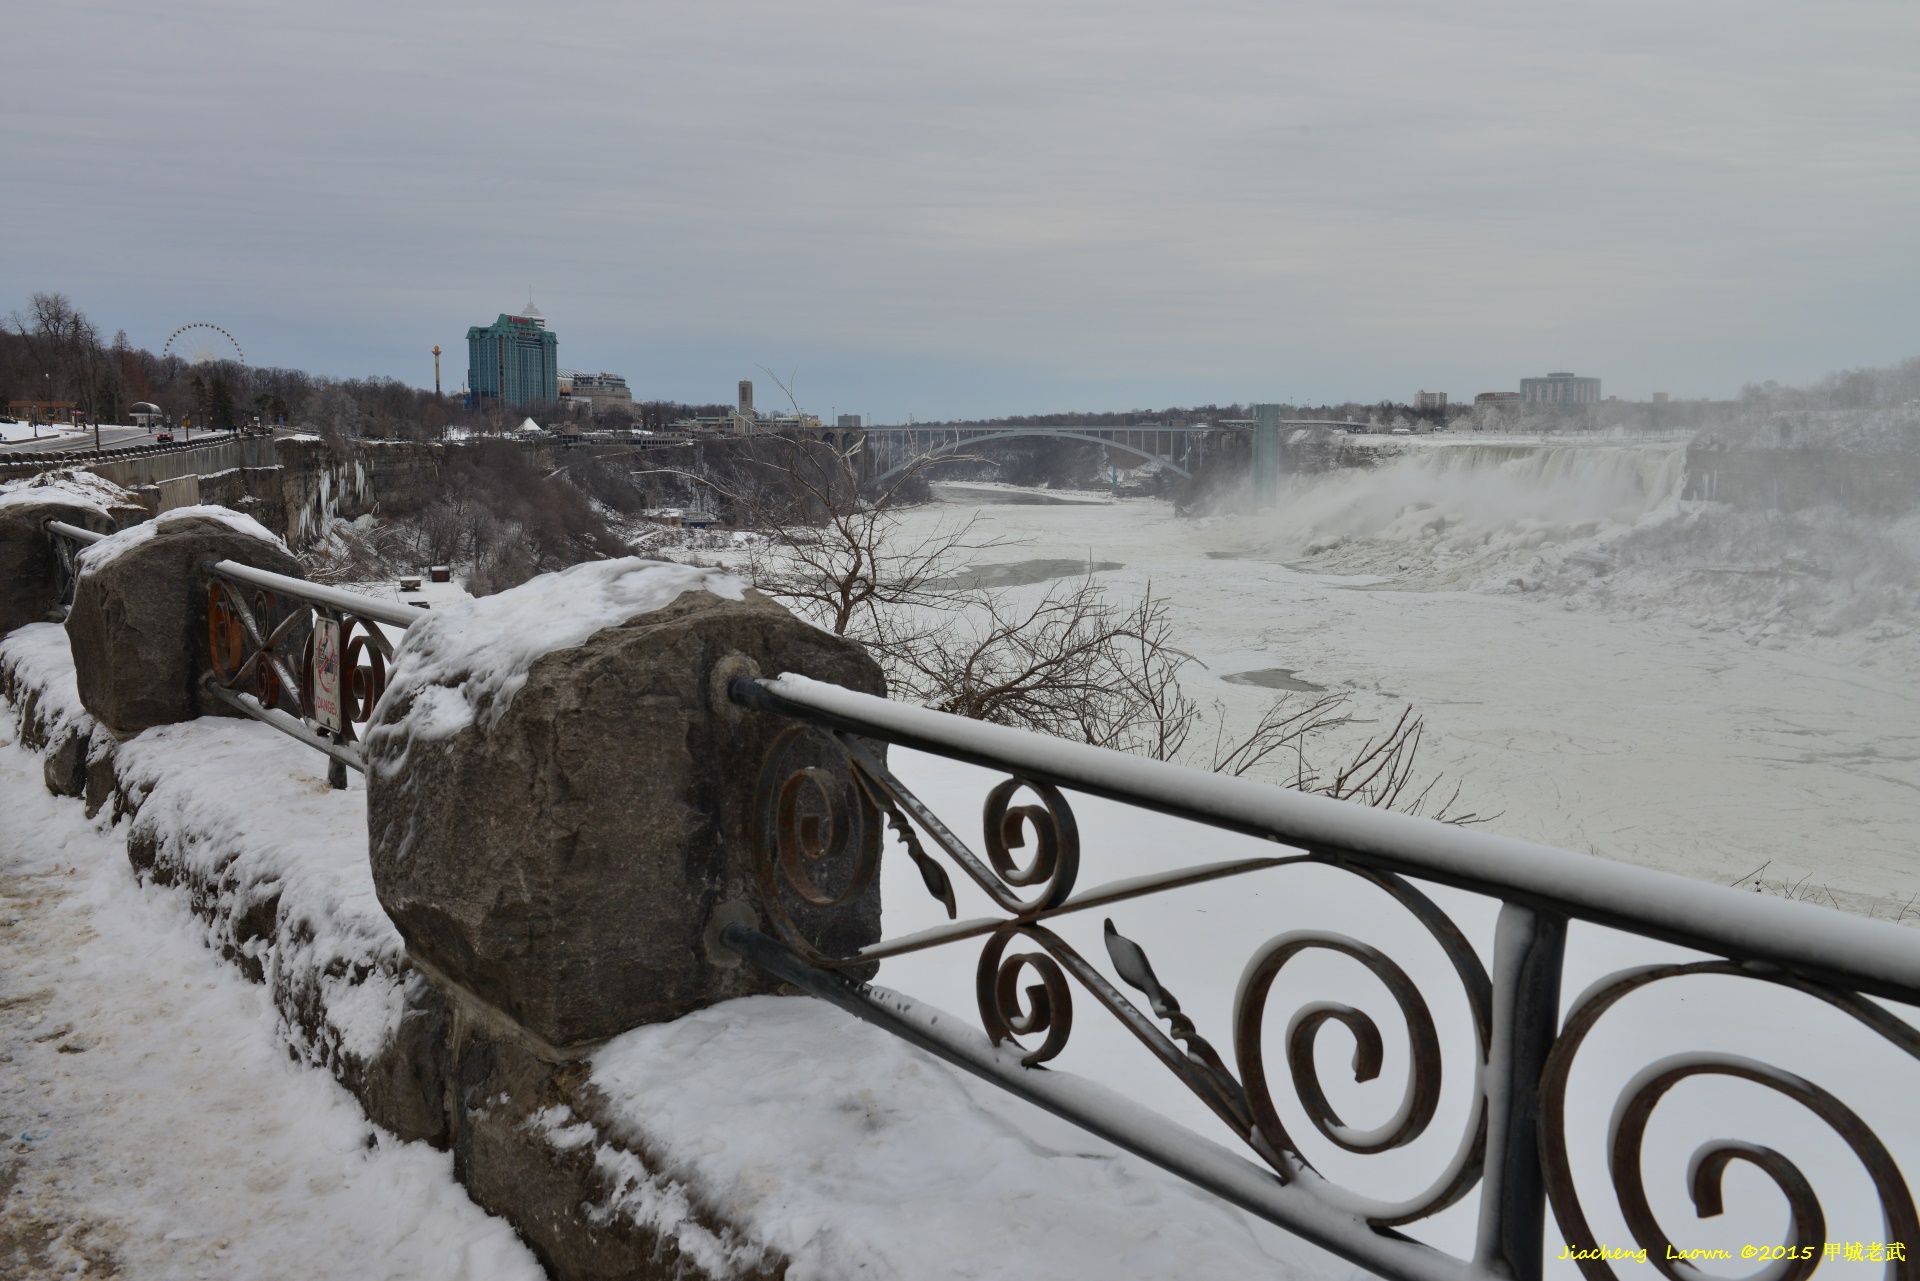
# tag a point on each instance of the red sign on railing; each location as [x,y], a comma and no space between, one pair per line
[326,673]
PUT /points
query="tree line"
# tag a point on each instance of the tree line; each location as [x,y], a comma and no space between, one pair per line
[52,352]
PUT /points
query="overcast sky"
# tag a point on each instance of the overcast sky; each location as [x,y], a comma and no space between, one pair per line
[979,208]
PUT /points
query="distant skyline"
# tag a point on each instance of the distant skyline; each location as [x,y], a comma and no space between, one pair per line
[965,211]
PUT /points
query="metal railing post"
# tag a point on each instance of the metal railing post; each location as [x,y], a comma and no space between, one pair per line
[1528,950]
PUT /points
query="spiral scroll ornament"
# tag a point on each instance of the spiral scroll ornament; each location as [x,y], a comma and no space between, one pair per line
[1056,857]
[817,785]
[1049,1007]
[1806,1221]
[816,838]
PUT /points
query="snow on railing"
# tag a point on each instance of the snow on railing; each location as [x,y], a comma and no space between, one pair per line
[823,791]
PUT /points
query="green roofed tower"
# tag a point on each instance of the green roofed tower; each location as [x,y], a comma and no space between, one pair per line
[515,360]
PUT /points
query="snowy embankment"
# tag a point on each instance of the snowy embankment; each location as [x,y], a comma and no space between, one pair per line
[11,431]
[157,1127]
[174,1122]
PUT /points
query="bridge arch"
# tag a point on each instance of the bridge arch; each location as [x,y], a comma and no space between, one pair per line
[1039,433]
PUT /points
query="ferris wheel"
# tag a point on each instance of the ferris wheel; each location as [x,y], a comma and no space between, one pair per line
[203,356]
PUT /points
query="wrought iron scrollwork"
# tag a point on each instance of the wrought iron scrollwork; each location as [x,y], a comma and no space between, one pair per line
[816,839]
[1030,870]
[1033,988]
[263,644]
[1049,1006]
[1806,1225]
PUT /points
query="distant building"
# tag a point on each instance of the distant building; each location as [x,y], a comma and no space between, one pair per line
[1496,400]
[1425,402]
[1560,389]
[848,422]
[515,360]
[600,392]
[744,421]
[1660,397]
[46,411]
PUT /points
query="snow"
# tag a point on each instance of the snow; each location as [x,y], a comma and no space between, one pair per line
[252,826]
[159,1128]
[856,1155]
[659,1203]
[112,547]
[227,1136]
[82,488]
[461,665]
[16,430]
[1679,733]
[42,659]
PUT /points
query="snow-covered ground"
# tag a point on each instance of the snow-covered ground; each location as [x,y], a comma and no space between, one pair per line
[155,1127]
[1673,730]
[17,430]
[163,1131]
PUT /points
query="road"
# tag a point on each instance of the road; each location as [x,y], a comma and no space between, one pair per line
[109,437]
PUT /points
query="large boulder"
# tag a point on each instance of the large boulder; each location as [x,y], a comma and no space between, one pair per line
[560,796]
[30,576]
[138,626]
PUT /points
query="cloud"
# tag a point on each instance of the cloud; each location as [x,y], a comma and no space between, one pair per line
[989,207]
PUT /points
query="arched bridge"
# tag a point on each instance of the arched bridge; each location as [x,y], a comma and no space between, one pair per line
[1177,448]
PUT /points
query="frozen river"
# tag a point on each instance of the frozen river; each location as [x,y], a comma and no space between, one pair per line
[1652,732]
[1710,717]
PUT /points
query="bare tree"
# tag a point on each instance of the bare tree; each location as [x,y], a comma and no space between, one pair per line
[1072,663]
[1076,665]
[833,548]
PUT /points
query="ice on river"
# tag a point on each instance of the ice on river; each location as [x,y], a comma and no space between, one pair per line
[1655,719]
[1683,735]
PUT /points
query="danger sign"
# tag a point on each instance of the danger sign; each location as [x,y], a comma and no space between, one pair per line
[326,673]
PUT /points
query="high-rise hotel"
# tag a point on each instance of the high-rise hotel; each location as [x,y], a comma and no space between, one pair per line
[515,360]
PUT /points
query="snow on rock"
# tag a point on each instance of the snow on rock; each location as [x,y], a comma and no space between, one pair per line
[110,548]
[36,672]
[631,1191]
[275,862]
[82,488]
[854,1154]
[462,664]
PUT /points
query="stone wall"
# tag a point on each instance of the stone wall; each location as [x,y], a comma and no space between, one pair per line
[291,484]
[590,830]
